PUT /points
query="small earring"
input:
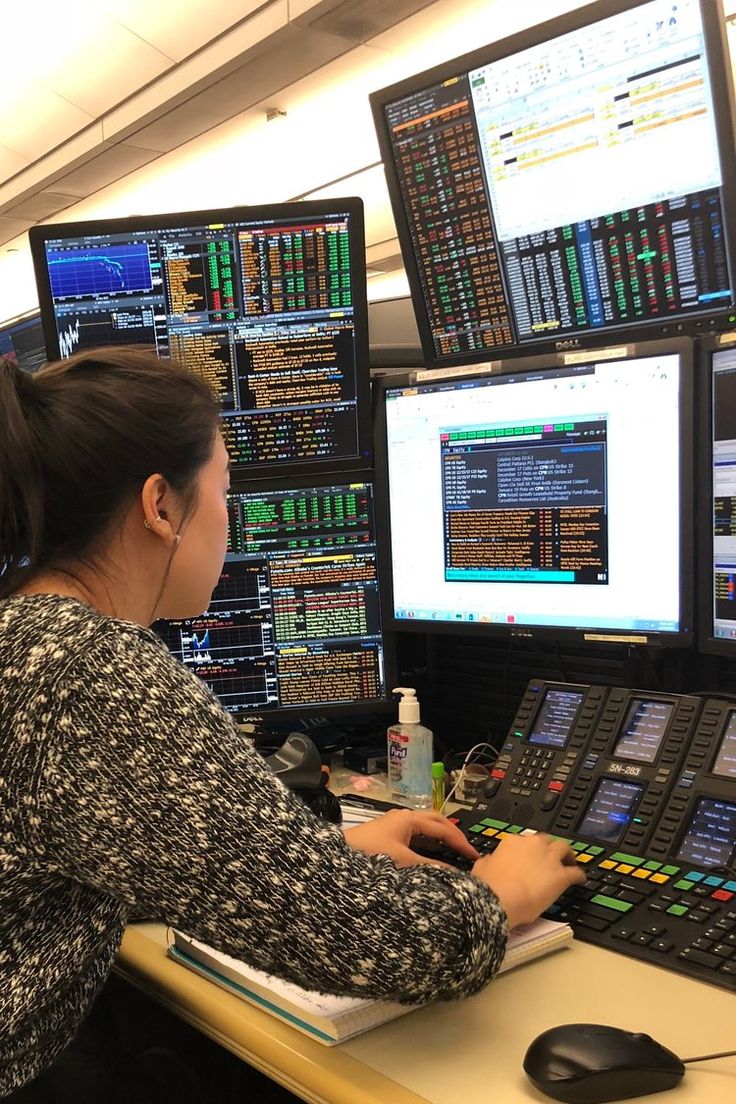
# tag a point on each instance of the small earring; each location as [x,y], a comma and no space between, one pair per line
[177,540]
[147,523]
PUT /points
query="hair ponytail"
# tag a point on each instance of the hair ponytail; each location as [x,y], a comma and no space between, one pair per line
[21,494]
[78,441]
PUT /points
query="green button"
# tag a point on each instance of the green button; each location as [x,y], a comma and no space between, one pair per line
[477,828]
[632,860]
[652,865]
[596,850]
[684,884]
[515,828]
[670,870]
[611,903]
[677,910]
[580,846]
[564,839]
[500,824]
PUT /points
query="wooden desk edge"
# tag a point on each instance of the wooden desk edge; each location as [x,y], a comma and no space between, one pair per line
[319,1074]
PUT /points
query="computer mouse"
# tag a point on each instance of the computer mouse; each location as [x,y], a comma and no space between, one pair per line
[583,1063]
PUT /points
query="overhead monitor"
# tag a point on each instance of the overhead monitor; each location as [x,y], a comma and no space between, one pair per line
[267,303]
[22,339]
[717,551]
[552,497]
[295,621]
[568,185]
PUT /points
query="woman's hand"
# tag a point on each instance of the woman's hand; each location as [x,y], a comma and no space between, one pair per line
[392,833]
[528,873]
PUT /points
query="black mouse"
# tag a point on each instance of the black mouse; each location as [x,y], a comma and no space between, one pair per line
[587,1063]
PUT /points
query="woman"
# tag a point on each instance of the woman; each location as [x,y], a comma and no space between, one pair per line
[127,790]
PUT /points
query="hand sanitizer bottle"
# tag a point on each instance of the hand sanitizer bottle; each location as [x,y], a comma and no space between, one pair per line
[410,754]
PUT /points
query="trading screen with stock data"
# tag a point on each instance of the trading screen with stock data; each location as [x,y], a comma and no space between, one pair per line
[567,188]
[267,305]
[295,620]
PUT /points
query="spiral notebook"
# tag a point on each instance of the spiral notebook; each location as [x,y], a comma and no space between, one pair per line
[331,1019]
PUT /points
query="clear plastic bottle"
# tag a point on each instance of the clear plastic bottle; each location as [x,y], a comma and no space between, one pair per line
[410,754]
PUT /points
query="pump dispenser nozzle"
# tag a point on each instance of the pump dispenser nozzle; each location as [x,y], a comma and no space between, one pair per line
[408,705]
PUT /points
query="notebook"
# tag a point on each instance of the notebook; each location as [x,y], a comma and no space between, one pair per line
[331,1019]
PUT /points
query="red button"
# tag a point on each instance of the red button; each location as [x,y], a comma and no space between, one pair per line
[721,895]
[556,786]
[498,773]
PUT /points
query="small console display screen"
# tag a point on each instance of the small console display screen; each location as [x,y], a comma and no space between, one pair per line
[556,717]
[643,730]
[609,813]
[710,838]
[725,763]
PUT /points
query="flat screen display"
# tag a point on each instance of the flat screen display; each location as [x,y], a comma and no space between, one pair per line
[295,620]
[725,761]
[566,183]
[556,717]
[611,810]
[22,341]
[643,730]
[710,837]
[719,557]
[267,304]
[549,495]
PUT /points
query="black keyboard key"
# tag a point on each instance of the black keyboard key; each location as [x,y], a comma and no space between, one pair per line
[728,967]
[700,958]
[723,950]
[642,939]
[595,923]
[664,946]
[702,944]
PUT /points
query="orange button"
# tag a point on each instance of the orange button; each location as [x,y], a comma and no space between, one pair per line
[624,868]
[660,879]
[639,873]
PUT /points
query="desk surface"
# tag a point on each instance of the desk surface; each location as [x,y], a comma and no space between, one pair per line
[470,1049]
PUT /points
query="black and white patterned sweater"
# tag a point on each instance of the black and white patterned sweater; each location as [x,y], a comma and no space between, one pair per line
[125,789]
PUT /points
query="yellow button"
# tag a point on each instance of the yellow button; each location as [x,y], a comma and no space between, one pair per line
[503,835]
[585,858]
[660,878]
[607,864]
[489,832]
[624,868]
[639,873]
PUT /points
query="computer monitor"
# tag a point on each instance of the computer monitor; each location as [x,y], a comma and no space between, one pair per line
[22,339]
[295,621]
[717,509]
[267,303]
[551,498]
[569,184]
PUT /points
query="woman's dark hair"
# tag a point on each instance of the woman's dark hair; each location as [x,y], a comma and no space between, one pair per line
[78,441]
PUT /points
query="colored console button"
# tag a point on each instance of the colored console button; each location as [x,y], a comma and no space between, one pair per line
[694,876]
[607,864]
[721,895]
[624,868]
[589,858]
[641,873]
[730,886]
[632,860]
[660,879]
[579,846]
[652,865]
[556,786]
[495,823]
[713,881]
[610,902]
[514,829]
[683,884]
[498,773]
[503,835]
[670,870]
[677,910]
[493,832]
[477,828]
[595,850]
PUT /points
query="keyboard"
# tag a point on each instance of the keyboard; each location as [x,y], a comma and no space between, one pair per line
[679,917]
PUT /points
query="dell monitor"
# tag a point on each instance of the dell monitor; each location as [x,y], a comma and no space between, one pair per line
[551,498]
[267,303]
[569,185]
[717,511]
[21,339]
[294,625]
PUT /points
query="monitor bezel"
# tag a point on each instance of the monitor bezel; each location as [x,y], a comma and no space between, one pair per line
[686,634]
[708,643]
[350,205]
[724,108]
[280,713]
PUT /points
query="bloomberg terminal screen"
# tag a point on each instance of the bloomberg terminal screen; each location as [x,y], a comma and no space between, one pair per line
[295,619]
[567,188]
[264,310]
